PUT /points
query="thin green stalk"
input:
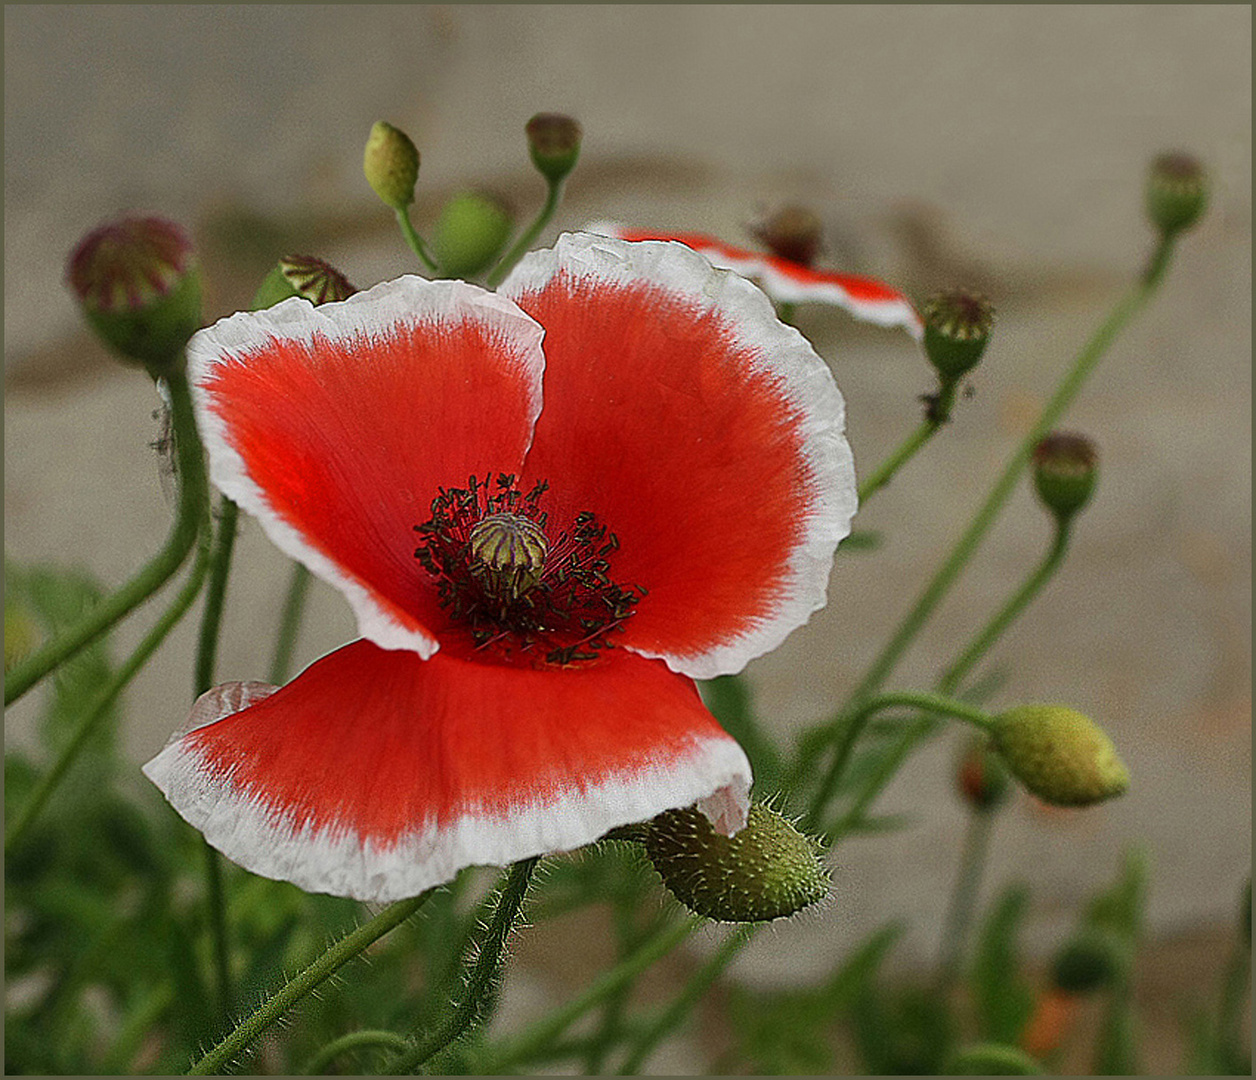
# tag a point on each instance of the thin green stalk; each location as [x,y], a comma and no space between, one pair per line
[553,197]
[1238,975]
[484,978]
[355,1040]
[193,500]
[49,781]
[967,545]
[628,937]
[939,414]
[348,948]
[697,985]
[414,240]
[542,1033]
[849,728]
[994,629]
[290,624]
[960,911]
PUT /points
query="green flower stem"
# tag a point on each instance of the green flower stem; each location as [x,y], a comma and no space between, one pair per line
[414,240]
[960,910]
[290,624]
[940,414]
[484,978]
[951,679]
[628,937]
[967,545]
[49,781]
[193,500]
[553,197]
[884,772]
[847,730]
[348,948]
[355,1040]
[697,985]
[542,1033]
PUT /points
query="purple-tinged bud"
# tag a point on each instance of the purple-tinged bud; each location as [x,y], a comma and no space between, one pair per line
[137,282]
[792,233]
[1177,192]
[957,328]
[1065,468]
[554,143]
[470,233]
[302,275]
[391,165]
[1060,755]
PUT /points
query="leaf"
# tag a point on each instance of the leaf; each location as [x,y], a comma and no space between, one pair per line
[1003,998]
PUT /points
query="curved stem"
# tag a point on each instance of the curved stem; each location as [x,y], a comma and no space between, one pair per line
[967,545]
[289,624]
[960,911]
[482,984]
[697,985]
[354,1040]
[346,949]
[49,781]
[193,499]
[553,197]
[548,1028]
[940,414]
[849,728]
[981,644]
[414,240]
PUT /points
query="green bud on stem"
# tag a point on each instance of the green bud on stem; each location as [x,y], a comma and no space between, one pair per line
[957,329]
[302,275]
[1087,962]
[1065,468]
[554,143]
[470,233]
[1060,755]
[769,870]
[391,165]
[1177,192]
[792,233]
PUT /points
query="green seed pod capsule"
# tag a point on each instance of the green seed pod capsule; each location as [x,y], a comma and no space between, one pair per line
[470,233]
[792,233]
[391,165]
[302,275]
[1060,755]
[957,329]
[1065,469]
[554,143]
[1177,192]
[769,870]
[137,283]
[1087,962]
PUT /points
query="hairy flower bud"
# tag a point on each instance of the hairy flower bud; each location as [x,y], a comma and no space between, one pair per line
[391,165]
[1060,755]
[1087,962]
[982,778]
[792,233]
[137,283]
[769,870]
[302,275]
[1177,192]
[1065,467]
[554,143]
[957,329]
[470,233]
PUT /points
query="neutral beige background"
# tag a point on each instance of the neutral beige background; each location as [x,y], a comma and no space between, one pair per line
[1001,146]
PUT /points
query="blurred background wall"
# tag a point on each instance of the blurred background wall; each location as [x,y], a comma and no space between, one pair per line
[1002,147]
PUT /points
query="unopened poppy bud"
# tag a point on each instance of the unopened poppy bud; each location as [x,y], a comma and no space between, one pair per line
[769,870]
[1086,963]
[1060,755]
[982,777]
[957,329]
[391,165]
[792,233]
[1177,192]
[302,275]
[992,1059]
[1065,467]
[470,233]
[137,283]
[554,143]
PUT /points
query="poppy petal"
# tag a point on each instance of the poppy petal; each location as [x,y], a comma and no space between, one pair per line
[702,431]
[336,425]
[376,774]
[792,283]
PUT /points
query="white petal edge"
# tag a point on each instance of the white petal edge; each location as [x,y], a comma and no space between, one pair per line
[404,301]
[785,355]
[715,774]
[787,290]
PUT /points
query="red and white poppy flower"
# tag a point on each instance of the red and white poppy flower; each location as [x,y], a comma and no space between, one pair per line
[790,282]
[551,508]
